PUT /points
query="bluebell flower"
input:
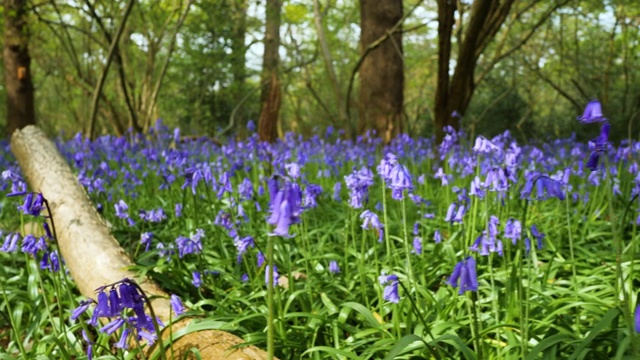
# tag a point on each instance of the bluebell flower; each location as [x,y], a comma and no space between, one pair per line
[386,165]
[251,126]
[592,113]
[10,242]
[333,267]
[370,220]
[245,189]
[122,209]
[293,170]
[464,276]
[32,205]
[275,275]
[485,146]
[285,207]
[337,188]
[178,210]
[242,245]
[417,245]
[260,259]
[539,236]
[145,239]
[600,147]
[191,245]
[154,215]
[455,213]
[513,230]
[176,305]
[197,279]
[437,237]
[310,194]
[399,180]
[545,187]
[390,292]
[637,318]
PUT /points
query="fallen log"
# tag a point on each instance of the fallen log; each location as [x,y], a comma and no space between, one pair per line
[93,256]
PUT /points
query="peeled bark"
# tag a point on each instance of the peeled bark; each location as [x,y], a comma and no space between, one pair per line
[381,73]
[17,67]
[92,254]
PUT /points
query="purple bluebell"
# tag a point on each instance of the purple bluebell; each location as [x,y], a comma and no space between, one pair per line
[390,292]
[539,236]
[293,170]
[386,165]
[485,146]
[245,189]
[10,242]
[545,188]
[337,188]
[260,259]
[285,207]
[455,213]
[399,180]
[417,245]
[33,204]
[370,220]
[637,318]
[437,237]
[178,210]
[464,276]
[333,267]
[600,147]
[592,113]
[513,230]
[197,279]
[444,178]
[122,209]
[275,275]
[176,305]
[81,309]
[251,126]
[154,215]
[242,245]
[310,195]
[145,239]
[191,245]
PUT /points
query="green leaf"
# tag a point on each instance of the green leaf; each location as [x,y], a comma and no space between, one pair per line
[401,345]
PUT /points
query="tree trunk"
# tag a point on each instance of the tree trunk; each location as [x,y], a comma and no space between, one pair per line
[270,98]
[238,55]
[17,67]
[381,73]
[454,94]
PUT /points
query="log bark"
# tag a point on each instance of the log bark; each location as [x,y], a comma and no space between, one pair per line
[92,254]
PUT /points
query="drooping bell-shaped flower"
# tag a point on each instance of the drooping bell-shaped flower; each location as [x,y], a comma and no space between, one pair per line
[464,276]
[390,292]
[592,113]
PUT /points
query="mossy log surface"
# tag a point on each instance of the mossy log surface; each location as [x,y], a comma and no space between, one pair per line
[92,255]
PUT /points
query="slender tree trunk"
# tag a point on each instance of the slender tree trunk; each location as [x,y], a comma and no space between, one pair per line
[453,94]
[270,98]
[328,61]
[381,73]
[238,56]
[103,76]
[17,67]
[446,12]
